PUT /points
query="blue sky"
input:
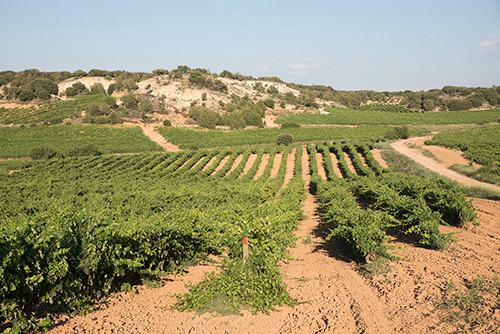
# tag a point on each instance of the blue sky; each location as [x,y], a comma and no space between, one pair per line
[349,45]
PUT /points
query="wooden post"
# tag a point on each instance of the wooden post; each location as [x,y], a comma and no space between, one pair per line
[245,249]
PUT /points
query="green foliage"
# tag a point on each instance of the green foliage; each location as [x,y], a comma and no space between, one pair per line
[43,152]
[129,101]
[288,125]
[167,122]
[235,288]
[82,151]
[284,139]
[404,203]
[384,108]
[480,144]
[62,109]
[205,117]
[147,106]
[470,309]
[350,116]
[77,89]
[17,142]
[201,79]
[75,229]
[97,88]
[398,132]
[204,139]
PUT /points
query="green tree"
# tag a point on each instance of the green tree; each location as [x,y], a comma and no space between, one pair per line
[284,139]
[129,101]
[147,106]
[97,88]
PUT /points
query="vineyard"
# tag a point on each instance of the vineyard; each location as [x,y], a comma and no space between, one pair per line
[372,117]
[479,145]
[49,112]
[75,229]
[187,138]
[18,142]
[385,108]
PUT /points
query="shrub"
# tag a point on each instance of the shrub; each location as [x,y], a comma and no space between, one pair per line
[87,150]
[284,139]
[44,152]
[288,125]
[167,122]
[129,101]
[399,132]
[97,88]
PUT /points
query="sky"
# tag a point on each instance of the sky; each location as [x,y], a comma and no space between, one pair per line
[380,45]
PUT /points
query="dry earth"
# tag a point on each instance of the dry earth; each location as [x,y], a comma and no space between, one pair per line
[439,167]
[333,296]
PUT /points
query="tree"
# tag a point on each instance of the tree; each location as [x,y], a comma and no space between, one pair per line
[147,106]
[129,101]
[284,139]
[97,88]
[204,96]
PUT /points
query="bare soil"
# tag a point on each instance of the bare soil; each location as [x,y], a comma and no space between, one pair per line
[437,167]
[249,164]
[262,166]
[376,154]
[321,168]
[222,164]
[236,163]
[349,162]
[335,164]
[276,165]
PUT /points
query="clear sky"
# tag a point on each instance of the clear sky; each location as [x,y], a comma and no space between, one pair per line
[349,45]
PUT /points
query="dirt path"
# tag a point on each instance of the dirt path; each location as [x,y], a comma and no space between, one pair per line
[276,165]
[321,168]
[349,162]
[221,164]
[335,164]
[249,164]
[236,162]
[377,156]
[149,131]
[262,166]
[431,164]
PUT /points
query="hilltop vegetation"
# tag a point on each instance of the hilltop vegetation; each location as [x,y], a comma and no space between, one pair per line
[189,96]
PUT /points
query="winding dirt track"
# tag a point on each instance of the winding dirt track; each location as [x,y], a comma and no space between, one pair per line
[429,163]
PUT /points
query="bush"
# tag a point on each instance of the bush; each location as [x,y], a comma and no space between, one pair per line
[284,139]
[167,122]
[399,132]
[129,101]
[97,88]
[44,152]
[87,150]
[290,125]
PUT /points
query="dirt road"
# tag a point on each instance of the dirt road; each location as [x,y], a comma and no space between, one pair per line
[429,163]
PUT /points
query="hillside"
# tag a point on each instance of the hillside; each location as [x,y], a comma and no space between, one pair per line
[187,97]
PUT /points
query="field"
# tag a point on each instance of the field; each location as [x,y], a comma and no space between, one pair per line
[187,138]
[83,227]
[48,112]
[17,142]
[372,117]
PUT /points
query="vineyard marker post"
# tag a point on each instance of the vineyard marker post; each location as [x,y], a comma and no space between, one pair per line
[245,249]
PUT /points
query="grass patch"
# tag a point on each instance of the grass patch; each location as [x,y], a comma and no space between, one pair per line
[472,308]
[488,174]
